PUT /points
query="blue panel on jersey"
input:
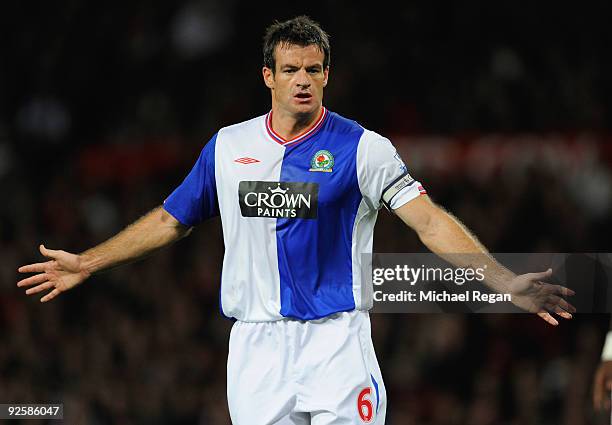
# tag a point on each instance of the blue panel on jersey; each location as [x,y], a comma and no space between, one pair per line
[314,256]
[195,199]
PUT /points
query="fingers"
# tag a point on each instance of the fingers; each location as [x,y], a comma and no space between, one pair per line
[34,268]
[540,275]
[554,303]
[40,267]
[559,306]
[566,292]
[548,318]
[40,288]
[557,309]
[33,280]
[556,300]
[49,253]
[50,295]
[553,292]
[557,289]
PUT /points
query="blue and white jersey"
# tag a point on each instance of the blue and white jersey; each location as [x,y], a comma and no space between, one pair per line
[297,215]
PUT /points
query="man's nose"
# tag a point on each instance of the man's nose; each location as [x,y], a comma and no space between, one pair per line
[303,79]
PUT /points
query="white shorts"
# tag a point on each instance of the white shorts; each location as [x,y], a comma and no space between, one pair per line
[321,372]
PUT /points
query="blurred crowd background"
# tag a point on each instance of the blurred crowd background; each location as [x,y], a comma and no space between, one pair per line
[502,110]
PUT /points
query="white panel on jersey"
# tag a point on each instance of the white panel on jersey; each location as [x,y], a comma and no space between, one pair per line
[250,282]
[380,171]
[379,166]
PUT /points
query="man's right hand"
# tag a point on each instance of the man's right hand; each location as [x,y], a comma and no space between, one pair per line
[64,271]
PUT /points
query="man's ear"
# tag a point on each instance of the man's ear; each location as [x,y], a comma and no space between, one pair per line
[326,73]
[268,77]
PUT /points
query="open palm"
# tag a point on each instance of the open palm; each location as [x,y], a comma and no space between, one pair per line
[531,294]
[63,272]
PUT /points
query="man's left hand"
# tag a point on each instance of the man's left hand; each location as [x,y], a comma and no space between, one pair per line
[530,293]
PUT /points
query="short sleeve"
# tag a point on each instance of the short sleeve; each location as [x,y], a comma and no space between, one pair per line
[383,176]
[195,199]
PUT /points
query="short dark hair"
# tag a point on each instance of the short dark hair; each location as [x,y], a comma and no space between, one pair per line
[301,31]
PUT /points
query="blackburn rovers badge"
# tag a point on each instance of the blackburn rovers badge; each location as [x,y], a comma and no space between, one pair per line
[322,161]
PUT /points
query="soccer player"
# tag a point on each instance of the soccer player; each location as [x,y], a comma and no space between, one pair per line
[298,191]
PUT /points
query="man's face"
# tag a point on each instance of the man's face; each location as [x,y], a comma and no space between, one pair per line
[299,78]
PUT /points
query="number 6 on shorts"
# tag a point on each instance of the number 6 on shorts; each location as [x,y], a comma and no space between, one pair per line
[364,405]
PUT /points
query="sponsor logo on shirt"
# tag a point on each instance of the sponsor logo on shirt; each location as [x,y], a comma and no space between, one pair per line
[246,160]
[322,161]
[278,199]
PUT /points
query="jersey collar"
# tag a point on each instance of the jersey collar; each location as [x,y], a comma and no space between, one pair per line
[312,130]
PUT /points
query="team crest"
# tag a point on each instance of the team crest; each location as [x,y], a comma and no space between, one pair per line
[322,161]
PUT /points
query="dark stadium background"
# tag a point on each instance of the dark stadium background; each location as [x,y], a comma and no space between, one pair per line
[501,109]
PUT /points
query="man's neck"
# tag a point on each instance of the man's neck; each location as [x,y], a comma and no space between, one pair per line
[289,126]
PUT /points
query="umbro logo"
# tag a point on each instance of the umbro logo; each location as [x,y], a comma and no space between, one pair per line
[246,160]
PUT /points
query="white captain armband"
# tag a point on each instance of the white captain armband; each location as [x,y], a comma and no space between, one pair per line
[404,181]
[606,354]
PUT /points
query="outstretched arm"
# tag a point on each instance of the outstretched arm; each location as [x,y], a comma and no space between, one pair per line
[65,270]
[443,234]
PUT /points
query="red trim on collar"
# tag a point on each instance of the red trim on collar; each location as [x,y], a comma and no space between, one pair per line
[300,137]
